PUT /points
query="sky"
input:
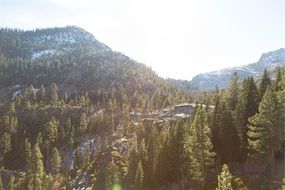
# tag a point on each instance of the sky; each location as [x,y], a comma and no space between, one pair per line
[176,38]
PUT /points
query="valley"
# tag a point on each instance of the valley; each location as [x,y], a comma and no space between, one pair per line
[74,114]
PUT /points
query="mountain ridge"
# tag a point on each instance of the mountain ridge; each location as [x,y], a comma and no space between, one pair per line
[77,62]
[220,78]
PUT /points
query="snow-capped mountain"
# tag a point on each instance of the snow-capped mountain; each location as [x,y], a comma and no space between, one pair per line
[220,78]
[44,43]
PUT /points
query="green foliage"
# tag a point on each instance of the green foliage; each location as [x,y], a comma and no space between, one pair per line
[5,143]
[101,89]
[225,179]
[112,177]
[83,126]
[247,106]
[133,160]
[139,177]
[199,148]
[265,82]
[53,93]
[56,161]
[36,172]
[264,130]
[232,92]
[50,134]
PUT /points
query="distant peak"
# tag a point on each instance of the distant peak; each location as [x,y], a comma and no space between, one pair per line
[272,57]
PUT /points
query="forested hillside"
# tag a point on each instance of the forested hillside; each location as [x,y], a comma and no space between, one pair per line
[76,115]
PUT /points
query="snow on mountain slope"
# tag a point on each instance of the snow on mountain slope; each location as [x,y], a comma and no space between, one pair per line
[220,78]
[44,53]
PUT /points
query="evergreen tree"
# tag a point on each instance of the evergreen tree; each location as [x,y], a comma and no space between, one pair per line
[83,126]
[151,161]
[225,179]
[239,184]
[265,81]
[264,131]
[42,94]
[53,93]
[277,86]
[247,106]
[29,93]
[200,148]
[112,176]
[12,109]
[46,182]
[5,143]
[252,98]
[133,160]
[215,126]
[228,135]
[56,161]
[232,92]
[139,177]
[175,152]
[50,133]
[28,155]
[37,170]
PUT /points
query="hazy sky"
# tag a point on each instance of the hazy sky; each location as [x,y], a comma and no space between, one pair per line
[177,38]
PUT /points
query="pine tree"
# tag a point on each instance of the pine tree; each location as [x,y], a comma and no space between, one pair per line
[46,182]
[232,92]
[252,98]
[37,168]
[247,106]
[12,109]
[83,126]
[133,160]
[50,134]
[229,138]
[200,148]
[277,86]
[265,81]
[139,177]
[225,179]
[175,152]
[239,184]
[56,161]
[112,176]
[5,143]
[151,162]
[263,131]
[42,94]
[28,155]
[215,126]
[53,93]
[11,183]
[29,93]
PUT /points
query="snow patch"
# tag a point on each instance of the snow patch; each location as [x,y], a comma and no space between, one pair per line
[15,94]
[44,53]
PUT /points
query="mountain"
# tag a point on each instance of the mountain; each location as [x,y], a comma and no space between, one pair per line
[74,114]
[220,78]
[71,99]
[73,59]
[50,41]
